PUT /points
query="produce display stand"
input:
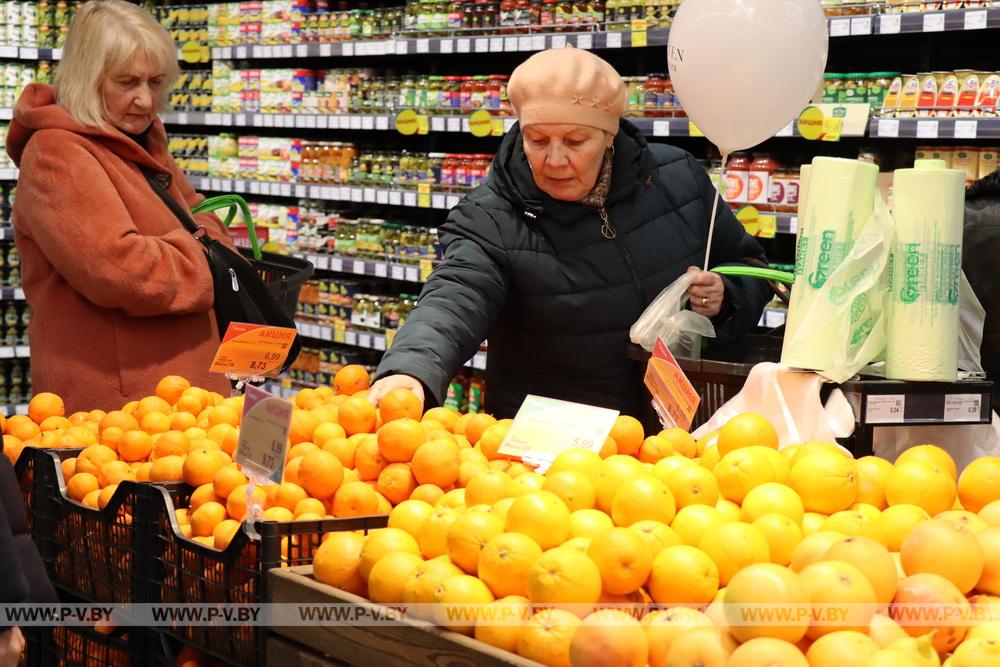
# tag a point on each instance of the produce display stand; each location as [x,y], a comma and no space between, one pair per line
[404,643]
[291,654]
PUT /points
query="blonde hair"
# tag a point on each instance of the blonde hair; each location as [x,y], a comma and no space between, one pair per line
[105,37]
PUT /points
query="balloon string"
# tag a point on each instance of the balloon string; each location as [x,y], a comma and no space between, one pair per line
[715,209]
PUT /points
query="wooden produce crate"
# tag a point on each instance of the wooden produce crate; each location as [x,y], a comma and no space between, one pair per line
[183,571]
[291,654]
[409,643]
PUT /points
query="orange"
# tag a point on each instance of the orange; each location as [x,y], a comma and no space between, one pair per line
[68,466]
[813,548]
[155,422]
[206,518]
[356,415]
[171,443]
[979,483]
[477,425]
[614,472]
[428,493]
[150,404]
[455,499]
[171,387]
[782,534]
[505,561]
[354,499]
[436,462]
[368,460]
[942,548]
[733,546]
[142,471]
[467,537]
[895,523]
[609,448]
[91,499]
[609,637]
[135,446]
[745,430]
[923,484]
[119,419]
[574,488]
[873,472]
[387,578]
[351,379]
[588,522]
[105,496]
[646,498]
[96,456]
[421,586]
[44,405]
[931,455]
[444,416]
[396,482]
[226,479]
[224,532]
[226,435]
[201,465]
[989,580]
[382,543]
[320,474]
[542,516]
[665,626]
[693,521]
[838,649]
[883,630]
[279,514]
[622,558]
[742,470]
[683,575]
[343,448]
[400,403]
[181,421]
[654,448]
[772,497]
[54,423]
[237,503]
[409,515]
[22,428]
[504,635]
[565,577]
[826,481]
[337,560]
[491,439]
[309,506]
[80,485]
[167,469]
[399,440]
[964,518]
[929,590]
[628,434]
[837,585]
[767,651]
[546,637]
[706,647]
[690,485]
[681,442]
[307,399]
[112,436]
[977,652]
[873,560]
[433,532]
[766,584]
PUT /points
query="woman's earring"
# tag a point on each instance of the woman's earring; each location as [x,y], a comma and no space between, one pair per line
[611,150]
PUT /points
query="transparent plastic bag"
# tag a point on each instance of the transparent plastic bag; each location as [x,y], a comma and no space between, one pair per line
[972,317]
[666,318]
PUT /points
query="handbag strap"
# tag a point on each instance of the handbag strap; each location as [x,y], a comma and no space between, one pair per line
[179,211]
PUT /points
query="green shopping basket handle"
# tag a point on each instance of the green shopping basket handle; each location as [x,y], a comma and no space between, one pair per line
[785,277]
[234,204]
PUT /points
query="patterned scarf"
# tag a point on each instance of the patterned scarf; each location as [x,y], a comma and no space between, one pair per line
[599,192]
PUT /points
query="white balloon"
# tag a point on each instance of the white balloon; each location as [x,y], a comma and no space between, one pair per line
[743,68]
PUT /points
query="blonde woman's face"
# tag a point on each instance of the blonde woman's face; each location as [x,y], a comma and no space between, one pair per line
[132,96]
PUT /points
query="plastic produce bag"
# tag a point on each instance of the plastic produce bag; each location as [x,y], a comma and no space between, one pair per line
[790,400]
[666,318]
[972,316]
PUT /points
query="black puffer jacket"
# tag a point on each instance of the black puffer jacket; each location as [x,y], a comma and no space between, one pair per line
[980,250]
[555,298]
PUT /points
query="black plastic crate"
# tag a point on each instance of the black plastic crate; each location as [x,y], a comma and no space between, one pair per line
[184,571]
[96,555]
[79,646]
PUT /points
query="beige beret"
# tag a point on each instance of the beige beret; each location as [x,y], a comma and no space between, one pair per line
[568,85]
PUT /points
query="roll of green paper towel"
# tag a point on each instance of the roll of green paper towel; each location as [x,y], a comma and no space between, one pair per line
[925,268]
[838,200]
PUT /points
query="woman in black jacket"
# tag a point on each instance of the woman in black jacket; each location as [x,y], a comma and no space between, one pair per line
[578,227]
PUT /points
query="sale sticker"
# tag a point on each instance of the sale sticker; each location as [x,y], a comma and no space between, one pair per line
[481,123]
[544,427]
[253,350]
[263,439]
[674,397]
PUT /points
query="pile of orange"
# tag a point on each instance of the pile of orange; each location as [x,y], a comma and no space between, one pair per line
[648,555]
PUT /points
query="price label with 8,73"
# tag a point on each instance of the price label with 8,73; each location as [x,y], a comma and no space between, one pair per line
[253,350]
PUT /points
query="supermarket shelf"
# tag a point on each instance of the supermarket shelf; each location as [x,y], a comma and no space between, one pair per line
[8,174]
[6,232]
[414,273]
[15,352]
[772,318]
[8,52]
[935,128]
[11,410]
[441,45]
[11,294]
[384,196]
[914,22]
[363,338]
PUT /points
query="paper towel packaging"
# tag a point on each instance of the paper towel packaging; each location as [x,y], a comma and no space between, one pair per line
[838,200]
[925,267]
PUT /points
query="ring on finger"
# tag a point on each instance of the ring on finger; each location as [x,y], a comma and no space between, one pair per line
[704,301]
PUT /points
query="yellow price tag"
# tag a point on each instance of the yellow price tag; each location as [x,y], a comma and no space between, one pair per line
[832,128]
[810,123]
[481,123]
[424,195]
[339,329]
[767,226]
[423,124]
[193,52]
[496,125]
[406,122]
[750,218]
[693,130]
[426,266]
[639,35]
[390,335]
[252,350]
